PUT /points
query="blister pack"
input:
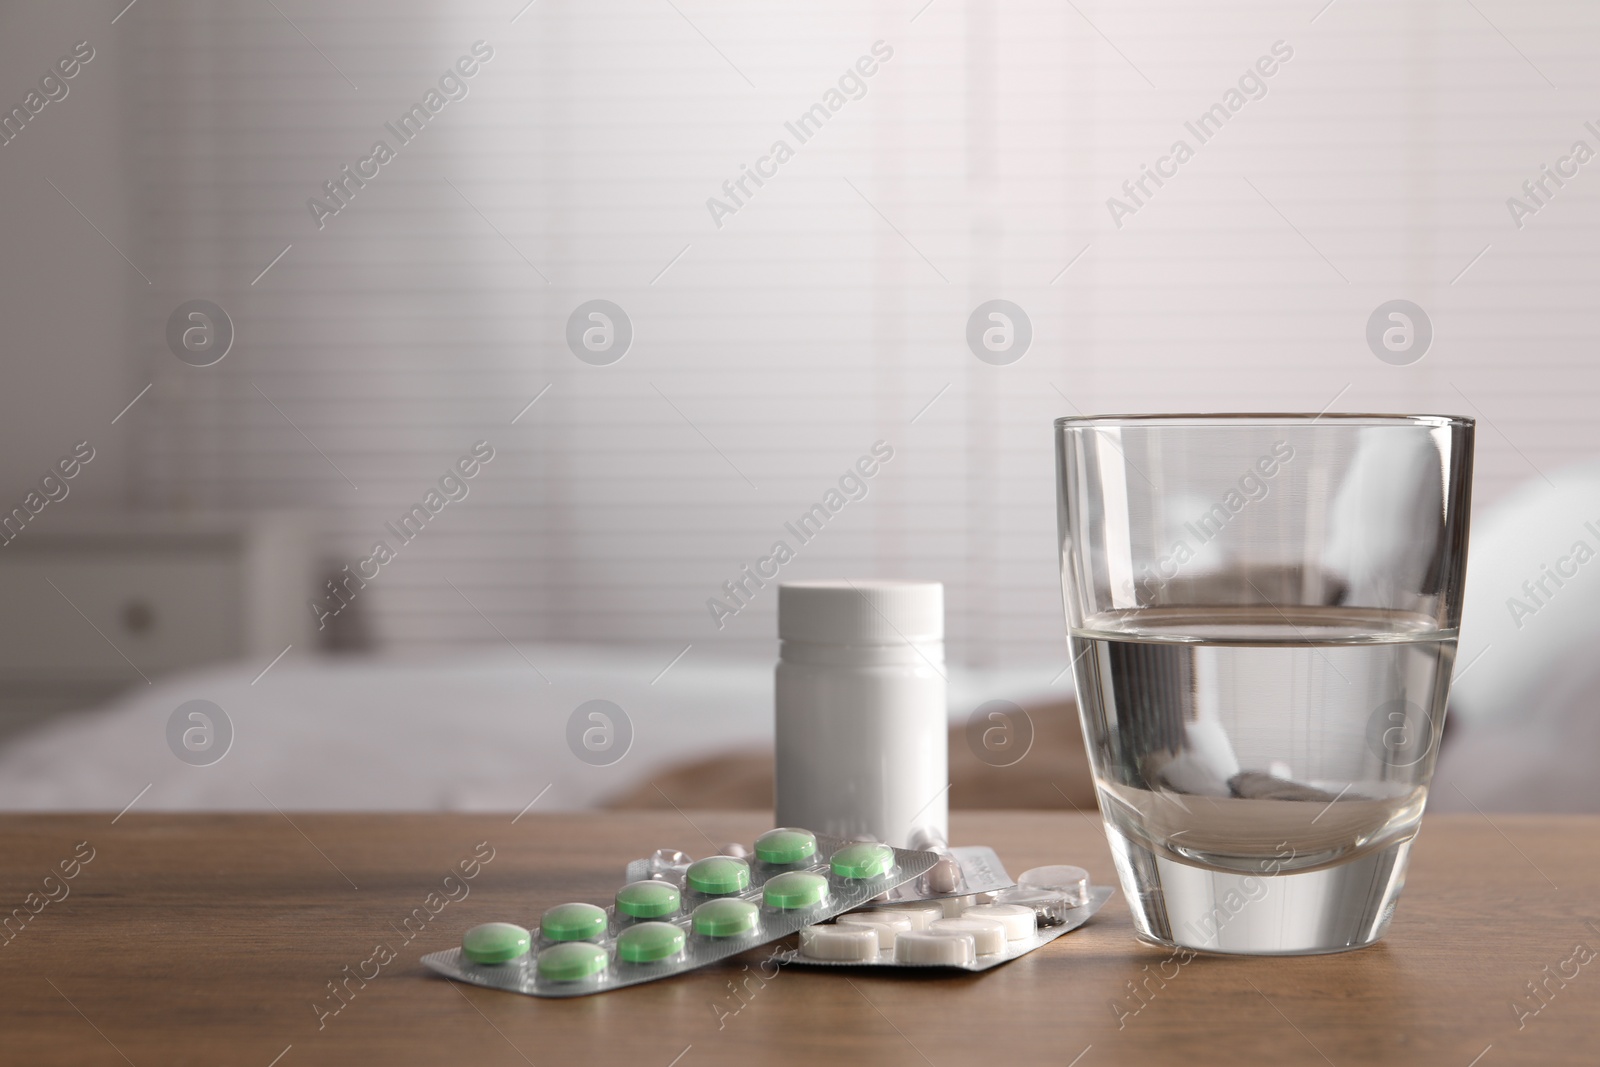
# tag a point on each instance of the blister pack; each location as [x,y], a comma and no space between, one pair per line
[971,933]
[961,871]
[681,914]
[964,870]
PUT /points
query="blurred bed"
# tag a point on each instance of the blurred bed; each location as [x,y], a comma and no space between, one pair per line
[485,731]
[490,730]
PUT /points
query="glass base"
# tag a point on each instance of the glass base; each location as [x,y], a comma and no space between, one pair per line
[1331,909]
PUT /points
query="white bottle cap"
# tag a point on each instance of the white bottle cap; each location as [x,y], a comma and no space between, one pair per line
[858,612]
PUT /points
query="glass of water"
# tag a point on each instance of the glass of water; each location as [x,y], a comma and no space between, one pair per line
[1262,612]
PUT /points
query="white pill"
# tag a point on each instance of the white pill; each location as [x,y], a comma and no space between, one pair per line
[1073,881]
[954,906]
[852,943]
[950,950]
[921,912]
[988,935]
[1019,921]
[887,924]
[1050,906]
[944,876]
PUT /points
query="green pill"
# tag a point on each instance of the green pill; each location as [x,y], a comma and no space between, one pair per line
[648,900]
[786,845]
[573,922]
[795,889]
[571,962]
[495,943]
[718,876]
[726,918]
[649,942]
[866,860]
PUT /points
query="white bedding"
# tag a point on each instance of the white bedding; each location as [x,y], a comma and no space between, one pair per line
[481,731]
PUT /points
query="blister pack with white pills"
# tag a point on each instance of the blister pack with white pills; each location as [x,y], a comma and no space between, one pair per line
[971,933]
[962,871]
[680,914]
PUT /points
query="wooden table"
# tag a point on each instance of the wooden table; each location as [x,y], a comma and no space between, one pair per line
[207,939]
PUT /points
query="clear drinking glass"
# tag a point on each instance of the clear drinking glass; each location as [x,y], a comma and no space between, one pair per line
[1262,612]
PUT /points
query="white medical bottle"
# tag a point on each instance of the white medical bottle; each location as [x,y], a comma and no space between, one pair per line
[862,712]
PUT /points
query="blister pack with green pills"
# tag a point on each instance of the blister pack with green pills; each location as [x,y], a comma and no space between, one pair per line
[679,914]
[964,870]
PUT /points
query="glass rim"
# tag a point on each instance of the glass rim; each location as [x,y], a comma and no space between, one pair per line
[1260,418]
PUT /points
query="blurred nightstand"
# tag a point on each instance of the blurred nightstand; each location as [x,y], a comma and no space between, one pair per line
[92,602]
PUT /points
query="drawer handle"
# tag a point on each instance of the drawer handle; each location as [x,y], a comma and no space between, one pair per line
[138,617]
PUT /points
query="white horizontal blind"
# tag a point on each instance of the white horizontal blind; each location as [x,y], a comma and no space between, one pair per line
[829,311]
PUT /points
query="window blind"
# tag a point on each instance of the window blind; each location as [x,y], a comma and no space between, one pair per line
[597,154]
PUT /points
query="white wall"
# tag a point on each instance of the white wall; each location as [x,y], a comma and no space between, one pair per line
[809,325]
[66,347]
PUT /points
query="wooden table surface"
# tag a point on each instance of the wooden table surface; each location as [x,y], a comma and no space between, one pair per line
[210,939]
